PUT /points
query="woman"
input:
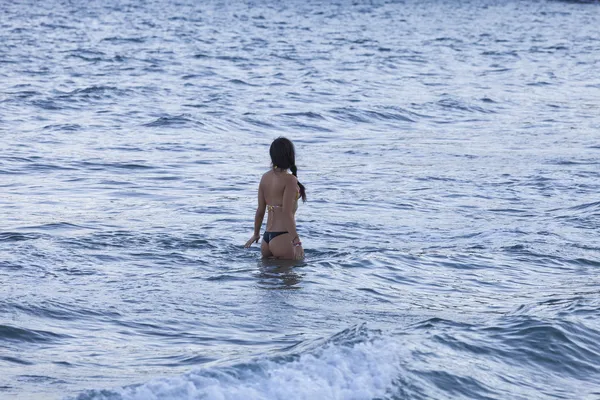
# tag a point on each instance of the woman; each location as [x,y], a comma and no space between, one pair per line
[278,194]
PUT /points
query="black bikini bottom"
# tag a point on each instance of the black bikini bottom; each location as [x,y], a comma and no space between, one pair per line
[268,236]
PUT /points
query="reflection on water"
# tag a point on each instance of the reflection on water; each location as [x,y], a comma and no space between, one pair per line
[279,274]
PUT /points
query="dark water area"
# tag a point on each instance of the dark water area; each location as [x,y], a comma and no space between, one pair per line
[451,155]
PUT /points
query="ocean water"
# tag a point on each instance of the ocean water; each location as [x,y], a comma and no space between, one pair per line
[451,155]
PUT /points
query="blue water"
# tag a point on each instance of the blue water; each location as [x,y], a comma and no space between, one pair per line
[451,155]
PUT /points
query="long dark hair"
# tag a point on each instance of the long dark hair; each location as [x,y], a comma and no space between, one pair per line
[283,156]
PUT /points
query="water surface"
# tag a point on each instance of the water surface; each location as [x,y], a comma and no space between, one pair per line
[451,156]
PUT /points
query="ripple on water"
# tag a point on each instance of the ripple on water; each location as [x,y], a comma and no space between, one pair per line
[10,333]
[174,121]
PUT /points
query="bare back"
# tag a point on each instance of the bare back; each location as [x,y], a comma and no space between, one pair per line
[272,186]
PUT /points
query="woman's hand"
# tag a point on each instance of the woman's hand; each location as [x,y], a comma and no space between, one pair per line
[253,239]
[298,253]
[298,250]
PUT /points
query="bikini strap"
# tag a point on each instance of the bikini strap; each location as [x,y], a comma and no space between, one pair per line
[271,208]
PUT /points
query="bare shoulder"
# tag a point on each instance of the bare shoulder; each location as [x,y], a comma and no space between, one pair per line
[291,180]
[264,176]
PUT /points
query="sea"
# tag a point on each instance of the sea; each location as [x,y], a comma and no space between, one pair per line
[450,151]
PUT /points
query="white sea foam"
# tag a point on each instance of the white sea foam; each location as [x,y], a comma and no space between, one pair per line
[362,371]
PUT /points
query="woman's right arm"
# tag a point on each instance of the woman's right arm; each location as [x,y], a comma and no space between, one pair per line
[259,215]
[260,210]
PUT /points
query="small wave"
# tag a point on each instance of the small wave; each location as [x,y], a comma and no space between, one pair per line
[125,239]
[367,116]
[61,311]
[17,237]
[11,333]
[512,53]
[94,89]
[15,360]
[348,115]
[561,346]
[312,128]
[63,127]
[98,166]
[58,226]
[448,39]
[9,265]
[586,206]
[20,159]
[564,347]
[84,58]
[557,349]
[309,115]
[49,167]
[48,105]
[117,39]
[57,26]
[586,262]
[95,59]
[525,213]
[573,162]
[241,82]
[259,123]
[455,104]
[93,92]
[388,116]
[204,74]
[41,379]
[87,52]
[355,364]
[25,94]
[232,58]
[8,172]
[226,278]
[174,121]
[549,49]
[539,83]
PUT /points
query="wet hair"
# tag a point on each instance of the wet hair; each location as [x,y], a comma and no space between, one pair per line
[283,156]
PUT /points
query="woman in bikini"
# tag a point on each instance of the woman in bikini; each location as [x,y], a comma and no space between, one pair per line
[278,194]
